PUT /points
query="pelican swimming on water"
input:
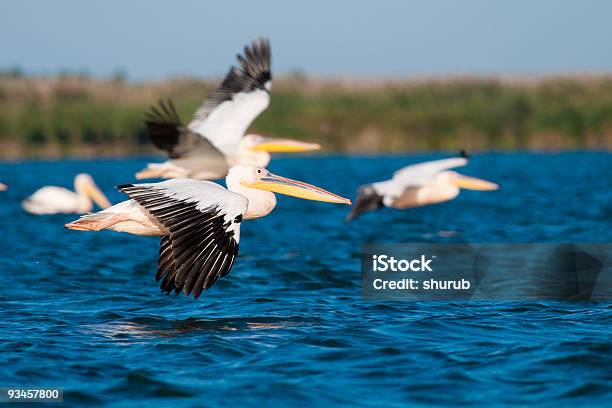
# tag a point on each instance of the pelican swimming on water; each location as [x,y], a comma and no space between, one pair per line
[198,221]
[418,185]
[215,139]
[60,200]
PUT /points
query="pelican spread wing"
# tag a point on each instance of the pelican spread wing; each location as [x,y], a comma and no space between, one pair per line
[185,148]
[422,173]
[203,224]
[227,112]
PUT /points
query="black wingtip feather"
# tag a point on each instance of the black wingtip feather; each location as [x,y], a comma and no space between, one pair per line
[256,61]
[164,125]
[122,187]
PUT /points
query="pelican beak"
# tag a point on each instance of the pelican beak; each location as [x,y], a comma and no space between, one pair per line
[282,185]
[274,145]
[97,196]
[472,183]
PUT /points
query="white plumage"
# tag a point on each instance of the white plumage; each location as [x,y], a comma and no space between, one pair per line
[227,123]
[54,200]
[423,173]
[60,200]
[417,176]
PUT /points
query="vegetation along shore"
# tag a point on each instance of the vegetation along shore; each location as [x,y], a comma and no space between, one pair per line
[72,115]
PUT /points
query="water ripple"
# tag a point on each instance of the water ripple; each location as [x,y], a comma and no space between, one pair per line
[288,325]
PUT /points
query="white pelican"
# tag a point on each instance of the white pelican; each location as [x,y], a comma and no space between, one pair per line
[60,200]
[3,187]
[418,185]
[215,139]
[198,221]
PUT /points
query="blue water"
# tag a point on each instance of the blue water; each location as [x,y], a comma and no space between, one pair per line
[287,326]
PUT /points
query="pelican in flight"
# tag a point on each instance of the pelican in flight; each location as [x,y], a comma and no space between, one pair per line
[60,200]
[418,185]
[215,139]
[198,221]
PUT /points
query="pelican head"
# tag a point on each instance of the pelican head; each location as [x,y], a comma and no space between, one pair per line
[258,143]
[84,185]
[367,200]
[245,176]
[466,182]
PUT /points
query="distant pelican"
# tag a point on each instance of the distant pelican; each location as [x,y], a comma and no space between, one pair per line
[215,139]
[56,200]
[3,187]
[418,185]
[198,221]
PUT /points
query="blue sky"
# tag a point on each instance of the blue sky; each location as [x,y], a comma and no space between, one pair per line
[154,40]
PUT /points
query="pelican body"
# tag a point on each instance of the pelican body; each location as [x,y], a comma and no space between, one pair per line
[60,200]
[215,140]
[416,186]
[198,221]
